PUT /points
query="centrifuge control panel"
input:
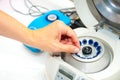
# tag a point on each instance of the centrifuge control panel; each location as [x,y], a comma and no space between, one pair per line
[65,73]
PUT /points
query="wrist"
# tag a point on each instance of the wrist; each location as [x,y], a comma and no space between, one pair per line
[26,36]
[33,38]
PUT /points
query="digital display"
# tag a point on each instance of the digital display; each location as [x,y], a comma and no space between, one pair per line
[66,74]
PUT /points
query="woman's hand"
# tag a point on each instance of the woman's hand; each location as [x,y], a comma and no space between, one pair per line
[56,37]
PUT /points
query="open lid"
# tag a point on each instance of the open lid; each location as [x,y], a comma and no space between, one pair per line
[85,14]
[91,14]
[110,9]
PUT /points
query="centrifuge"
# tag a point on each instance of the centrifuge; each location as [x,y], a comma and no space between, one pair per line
[99,56]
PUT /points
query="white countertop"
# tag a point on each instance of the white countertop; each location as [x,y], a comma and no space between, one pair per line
[17,62]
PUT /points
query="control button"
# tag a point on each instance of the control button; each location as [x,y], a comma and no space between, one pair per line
[52,17]
[90,41]
[84,41]
[87,50]
[98,52]
[80,42]
[99,48]
[96,44]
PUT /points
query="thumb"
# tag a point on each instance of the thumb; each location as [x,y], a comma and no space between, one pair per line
[69,48]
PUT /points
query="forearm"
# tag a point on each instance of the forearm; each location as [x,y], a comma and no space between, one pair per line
[51,38]
[13,29]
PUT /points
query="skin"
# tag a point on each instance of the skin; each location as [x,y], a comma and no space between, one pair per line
[56,37]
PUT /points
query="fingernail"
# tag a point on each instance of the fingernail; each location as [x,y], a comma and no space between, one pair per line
[76,50]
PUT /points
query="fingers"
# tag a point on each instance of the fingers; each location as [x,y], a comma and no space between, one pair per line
[66,30]
[65,39]
[73,37]
[67,48]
